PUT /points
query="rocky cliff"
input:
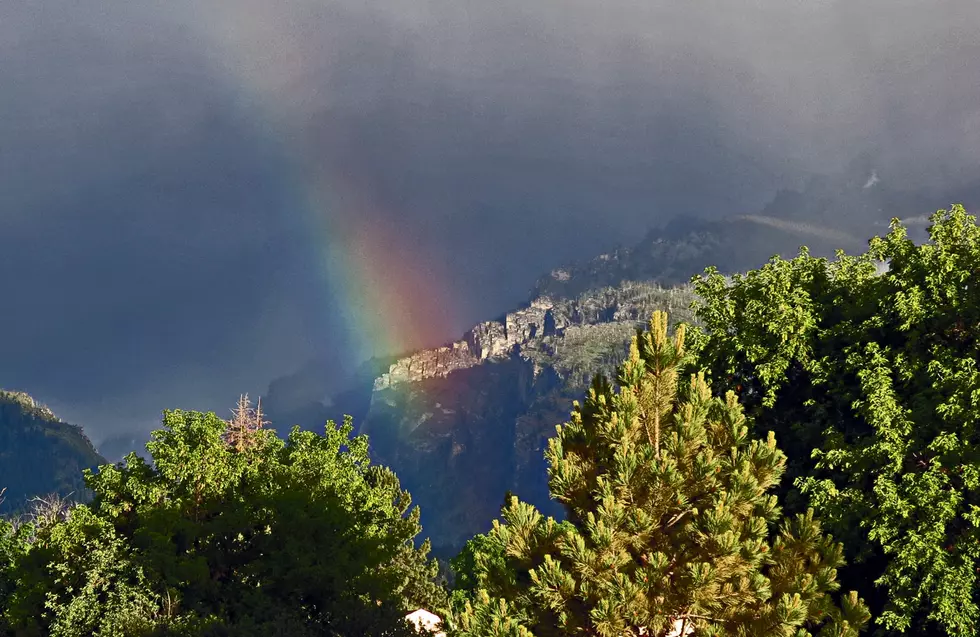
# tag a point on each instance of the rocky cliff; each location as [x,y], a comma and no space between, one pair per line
[525,331]
[489,341]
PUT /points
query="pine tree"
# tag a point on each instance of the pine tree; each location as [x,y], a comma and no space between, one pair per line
[671,529]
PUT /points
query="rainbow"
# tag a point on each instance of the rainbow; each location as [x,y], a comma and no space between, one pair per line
[390,300]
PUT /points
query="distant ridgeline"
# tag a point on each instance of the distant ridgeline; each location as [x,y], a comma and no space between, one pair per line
[39,454]
[830,212]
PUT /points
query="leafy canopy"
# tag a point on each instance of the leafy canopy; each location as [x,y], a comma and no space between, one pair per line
[874,378]
[229,535]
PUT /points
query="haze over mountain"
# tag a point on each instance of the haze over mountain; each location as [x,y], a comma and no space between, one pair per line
[196,198]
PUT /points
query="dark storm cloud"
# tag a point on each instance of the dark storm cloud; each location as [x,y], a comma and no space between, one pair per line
[142,247]
[544,130]
[151,154]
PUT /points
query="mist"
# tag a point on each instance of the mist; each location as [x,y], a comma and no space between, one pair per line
[153,242]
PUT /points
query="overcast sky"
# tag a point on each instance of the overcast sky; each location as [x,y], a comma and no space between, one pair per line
[155,246]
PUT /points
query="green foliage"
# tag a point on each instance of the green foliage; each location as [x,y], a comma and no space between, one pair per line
[302,537]
[39,454]
[873,377]
[671,524]
[582,351]
[13,545]
[78,578]
[464,565]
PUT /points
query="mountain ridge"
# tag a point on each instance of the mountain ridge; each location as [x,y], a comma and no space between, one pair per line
[39,453]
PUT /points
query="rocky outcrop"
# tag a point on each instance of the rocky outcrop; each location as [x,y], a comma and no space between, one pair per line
[430,363]
[492,340]
[524,330]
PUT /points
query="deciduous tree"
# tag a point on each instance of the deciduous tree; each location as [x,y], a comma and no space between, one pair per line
[872,377]
[295,537]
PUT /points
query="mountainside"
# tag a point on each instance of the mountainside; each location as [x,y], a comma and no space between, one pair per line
[39,454]
[463,423]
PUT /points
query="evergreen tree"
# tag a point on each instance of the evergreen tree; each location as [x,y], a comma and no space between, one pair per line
[671,527]
[872,376]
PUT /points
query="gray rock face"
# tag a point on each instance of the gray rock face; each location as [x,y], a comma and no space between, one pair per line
[492,340]
[488,340]
[430,363]
[525,328]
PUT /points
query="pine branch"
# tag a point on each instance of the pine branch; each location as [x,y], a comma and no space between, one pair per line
[656,434]
[677,518]
[686,616]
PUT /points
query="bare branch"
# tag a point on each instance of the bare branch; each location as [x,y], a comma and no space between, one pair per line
[244,424]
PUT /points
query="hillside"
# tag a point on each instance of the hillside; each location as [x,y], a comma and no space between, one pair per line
[39,454]
[464,423]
